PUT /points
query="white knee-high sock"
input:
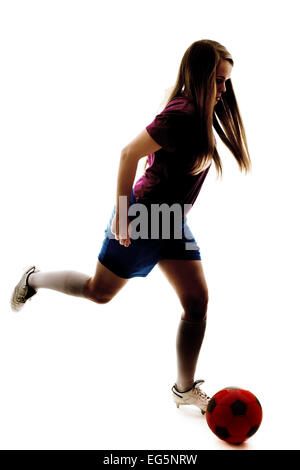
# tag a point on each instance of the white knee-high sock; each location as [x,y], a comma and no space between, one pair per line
[68,282]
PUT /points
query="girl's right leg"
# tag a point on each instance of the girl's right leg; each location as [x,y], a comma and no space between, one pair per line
[188,280]
[100,288]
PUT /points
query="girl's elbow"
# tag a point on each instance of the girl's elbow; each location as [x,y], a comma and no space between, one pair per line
[129,155]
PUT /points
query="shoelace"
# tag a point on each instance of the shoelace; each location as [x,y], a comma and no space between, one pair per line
[21,298]
[198,390]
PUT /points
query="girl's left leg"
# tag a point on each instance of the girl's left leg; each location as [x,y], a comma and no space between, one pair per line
[100,288]
[187,278]
[67,282]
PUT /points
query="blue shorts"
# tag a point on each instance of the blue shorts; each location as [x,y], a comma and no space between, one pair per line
[140,257]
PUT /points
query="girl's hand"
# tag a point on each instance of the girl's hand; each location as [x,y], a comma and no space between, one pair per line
[123,237]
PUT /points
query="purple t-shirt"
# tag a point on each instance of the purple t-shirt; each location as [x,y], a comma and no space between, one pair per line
[166,180]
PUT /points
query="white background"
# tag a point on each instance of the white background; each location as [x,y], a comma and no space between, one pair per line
[79,80]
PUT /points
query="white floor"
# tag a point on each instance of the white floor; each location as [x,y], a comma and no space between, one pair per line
[76,375]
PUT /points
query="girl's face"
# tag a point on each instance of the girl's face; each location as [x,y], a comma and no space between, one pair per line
[223,73]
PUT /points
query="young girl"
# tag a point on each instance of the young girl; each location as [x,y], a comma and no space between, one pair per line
[180,146]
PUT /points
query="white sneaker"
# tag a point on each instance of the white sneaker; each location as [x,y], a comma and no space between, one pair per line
[22,292]
[192,396]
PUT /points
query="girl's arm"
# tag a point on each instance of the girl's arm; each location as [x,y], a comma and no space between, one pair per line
[141,146]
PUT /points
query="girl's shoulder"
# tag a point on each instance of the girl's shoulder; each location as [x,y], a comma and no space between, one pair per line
[181,104]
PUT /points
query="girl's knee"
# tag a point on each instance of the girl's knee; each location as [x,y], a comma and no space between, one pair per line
[198,316]
[94,294]
[195,308]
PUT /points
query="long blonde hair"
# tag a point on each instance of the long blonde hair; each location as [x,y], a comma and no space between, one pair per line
[197,81]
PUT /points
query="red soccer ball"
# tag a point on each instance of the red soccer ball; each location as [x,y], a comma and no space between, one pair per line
[234,414]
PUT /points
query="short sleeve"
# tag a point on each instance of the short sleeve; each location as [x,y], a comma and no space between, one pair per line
[171,128]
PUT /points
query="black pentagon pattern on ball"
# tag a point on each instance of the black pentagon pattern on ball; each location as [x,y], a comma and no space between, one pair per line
[257,401]
[252,431]
[211,405]
[238,408]
[222,432]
